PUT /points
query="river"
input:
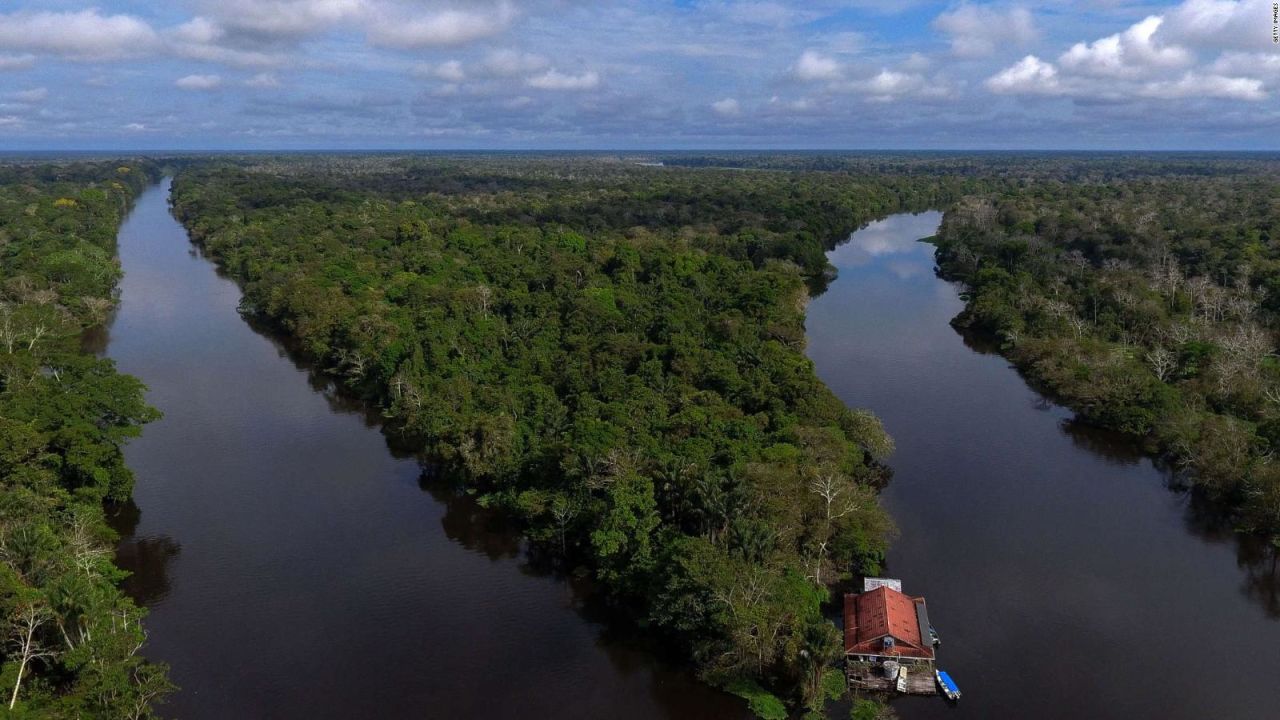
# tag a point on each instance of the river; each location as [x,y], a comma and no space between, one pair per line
[294,566]
[1065,577]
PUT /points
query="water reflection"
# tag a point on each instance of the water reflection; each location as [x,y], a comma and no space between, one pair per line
[1256,557]
[468,523]
[895,242]
[146,559]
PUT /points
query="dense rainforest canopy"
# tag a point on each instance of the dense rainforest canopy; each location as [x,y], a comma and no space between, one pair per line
[1149,303]
[71,639]
[613,353]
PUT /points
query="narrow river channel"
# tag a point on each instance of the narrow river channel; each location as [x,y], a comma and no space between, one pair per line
[1064,576]
[296,568]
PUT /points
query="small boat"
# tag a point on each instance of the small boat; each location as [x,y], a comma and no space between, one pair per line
[947,685]
[933,636]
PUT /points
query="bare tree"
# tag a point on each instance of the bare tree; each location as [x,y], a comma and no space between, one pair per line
[26,621]
[563,510]
[838,500]
[1163,362]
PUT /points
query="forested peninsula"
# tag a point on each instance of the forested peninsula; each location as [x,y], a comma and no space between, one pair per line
[71,638]
[612,353]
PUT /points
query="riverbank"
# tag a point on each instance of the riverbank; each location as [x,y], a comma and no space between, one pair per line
[1052,553]
[71,637]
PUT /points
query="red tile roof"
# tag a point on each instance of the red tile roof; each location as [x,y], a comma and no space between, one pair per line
[871,616]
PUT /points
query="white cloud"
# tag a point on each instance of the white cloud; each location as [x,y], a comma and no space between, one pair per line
[1193,85]
[728,107]
[916,62]
[398,28]
[281,18]
[890,84]
[203,39]
[1133,53]
[451,71]
[814,66]
[84,35]
[16,62]
[34,95]
[263,81]
[1142,62]
[556,80]
[199,82]
[1221,24]
[510,63]
[979,30]
[1028,75]
[1267,65]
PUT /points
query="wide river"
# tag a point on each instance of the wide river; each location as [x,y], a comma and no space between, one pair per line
[1064,576]
[295,566]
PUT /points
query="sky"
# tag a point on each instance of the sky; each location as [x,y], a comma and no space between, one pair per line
[640,74]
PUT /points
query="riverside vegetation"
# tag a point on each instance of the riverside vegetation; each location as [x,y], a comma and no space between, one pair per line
[71,638]
[1148,303]
[613,354]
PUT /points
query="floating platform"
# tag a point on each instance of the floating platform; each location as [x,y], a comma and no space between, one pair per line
[871,678]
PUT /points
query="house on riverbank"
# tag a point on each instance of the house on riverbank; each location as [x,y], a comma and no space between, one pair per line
[887,638]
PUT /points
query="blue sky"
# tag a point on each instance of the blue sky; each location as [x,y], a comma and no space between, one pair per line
[582,74]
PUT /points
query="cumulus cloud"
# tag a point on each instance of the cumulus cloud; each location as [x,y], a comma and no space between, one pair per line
[32,96]
[882,85]
[280,18]
[1195,85]
[16,62]
[1028,75]
[1146,61]
[450,70]
[263,81]
[199,82]
[890,84]
[399,28]
[555,80]
[85,35]
[978,30]
[512,63]
[1132,53]
[1221,24]
[728,107]
[814,66]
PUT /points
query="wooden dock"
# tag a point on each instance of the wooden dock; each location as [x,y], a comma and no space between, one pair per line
[870,677]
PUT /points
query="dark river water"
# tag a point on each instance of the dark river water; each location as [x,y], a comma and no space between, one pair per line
[1065,577]
[296,568]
